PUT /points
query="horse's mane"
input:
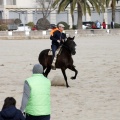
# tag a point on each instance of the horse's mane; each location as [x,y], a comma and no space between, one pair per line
[66,47]
[69,44]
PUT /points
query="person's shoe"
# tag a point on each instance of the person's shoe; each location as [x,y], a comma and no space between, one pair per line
[53,67]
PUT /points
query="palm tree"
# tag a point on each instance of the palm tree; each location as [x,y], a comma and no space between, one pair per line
[83,6]
[113,7]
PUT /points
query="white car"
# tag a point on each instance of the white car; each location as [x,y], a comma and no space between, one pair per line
[22,27]
[84,27]
[87,24]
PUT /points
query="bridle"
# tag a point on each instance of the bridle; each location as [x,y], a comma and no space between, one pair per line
[67,48]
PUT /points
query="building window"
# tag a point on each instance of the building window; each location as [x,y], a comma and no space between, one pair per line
[11,2]
[14,2]
[1,2]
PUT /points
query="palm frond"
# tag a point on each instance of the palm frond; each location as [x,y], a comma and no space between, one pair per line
[73,5]
[56,2]
[88,9]
[62,5]
[101,5]
[95,4]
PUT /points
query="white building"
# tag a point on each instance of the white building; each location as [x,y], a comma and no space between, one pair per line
[26,11]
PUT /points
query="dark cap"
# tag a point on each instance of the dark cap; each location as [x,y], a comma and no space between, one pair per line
[37,69]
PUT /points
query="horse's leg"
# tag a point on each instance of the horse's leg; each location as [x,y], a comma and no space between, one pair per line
[65,77]
[73,69]
[44,70]
[47,71]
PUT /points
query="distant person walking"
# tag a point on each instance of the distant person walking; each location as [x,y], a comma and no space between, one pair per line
[36,95]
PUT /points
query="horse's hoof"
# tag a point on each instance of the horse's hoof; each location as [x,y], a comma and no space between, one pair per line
[67,86]
[73,78]
[45,75]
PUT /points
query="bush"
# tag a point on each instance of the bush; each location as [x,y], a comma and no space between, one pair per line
[109,26]
[31,24]
[3,27]
[65,24]
[116,25]
[74,27]
[17,21]
[43,24]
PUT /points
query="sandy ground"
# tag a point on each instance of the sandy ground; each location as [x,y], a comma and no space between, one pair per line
[94,95]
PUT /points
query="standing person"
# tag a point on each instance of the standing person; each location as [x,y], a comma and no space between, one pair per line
[112,24]
[98,25]
[57,37]
[36,95]
[9,111]
[104,25]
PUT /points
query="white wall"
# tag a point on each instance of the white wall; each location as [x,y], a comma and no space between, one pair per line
[13,15]
[26,3]
[95,16]
[53,17]
[63,16]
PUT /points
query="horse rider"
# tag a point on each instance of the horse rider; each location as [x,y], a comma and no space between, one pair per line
[57,36]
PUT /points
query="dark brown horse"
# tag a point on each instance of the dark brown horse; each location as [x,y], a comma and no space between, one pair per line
[64,60]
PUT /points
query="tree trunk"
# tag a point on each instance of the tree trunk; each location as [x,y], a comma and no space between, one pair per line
[113,15]
[113,10]
[72,15]
[79,22]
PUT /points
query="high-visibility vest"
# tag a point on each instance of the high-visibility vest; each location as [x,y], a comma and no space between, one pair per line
[39,100]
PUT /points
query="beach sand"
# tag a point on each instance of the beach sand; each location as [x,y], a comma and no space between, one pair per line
[94,95]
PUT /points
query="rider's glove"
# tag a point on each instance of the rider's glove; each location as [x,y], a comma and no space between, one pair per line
[63,40]
[58,41]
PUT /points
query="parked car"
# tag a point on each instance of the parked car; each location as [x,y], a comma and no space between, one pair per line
[87,24]
[34,28]
[23,27]
[84,27]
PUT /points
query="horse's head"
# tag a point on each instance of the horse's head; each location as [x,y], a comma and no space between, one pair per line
[71,45]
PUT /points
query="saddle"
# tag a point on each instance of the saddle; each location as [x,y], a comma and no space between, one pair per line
[58,51]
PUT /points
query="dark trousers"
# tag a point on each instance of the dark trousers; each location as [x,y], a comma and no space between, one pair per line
[43,117]
[54,48]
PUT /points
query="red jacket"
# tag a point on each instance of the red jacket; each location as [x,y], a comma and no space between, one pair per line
[104,25]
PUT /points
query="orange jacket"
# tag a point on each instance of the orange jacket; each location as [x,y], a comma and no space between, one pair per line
[53,30]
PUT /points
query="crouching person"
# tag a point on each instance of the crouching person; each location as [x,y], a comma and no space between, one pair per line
[9,111]
[36,95]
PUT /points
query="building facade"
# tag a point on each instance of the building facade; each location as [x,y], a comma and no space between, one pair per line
[27,11]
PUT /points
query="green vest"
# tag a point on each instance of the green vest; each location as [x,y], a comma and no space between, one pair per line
[39,100]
